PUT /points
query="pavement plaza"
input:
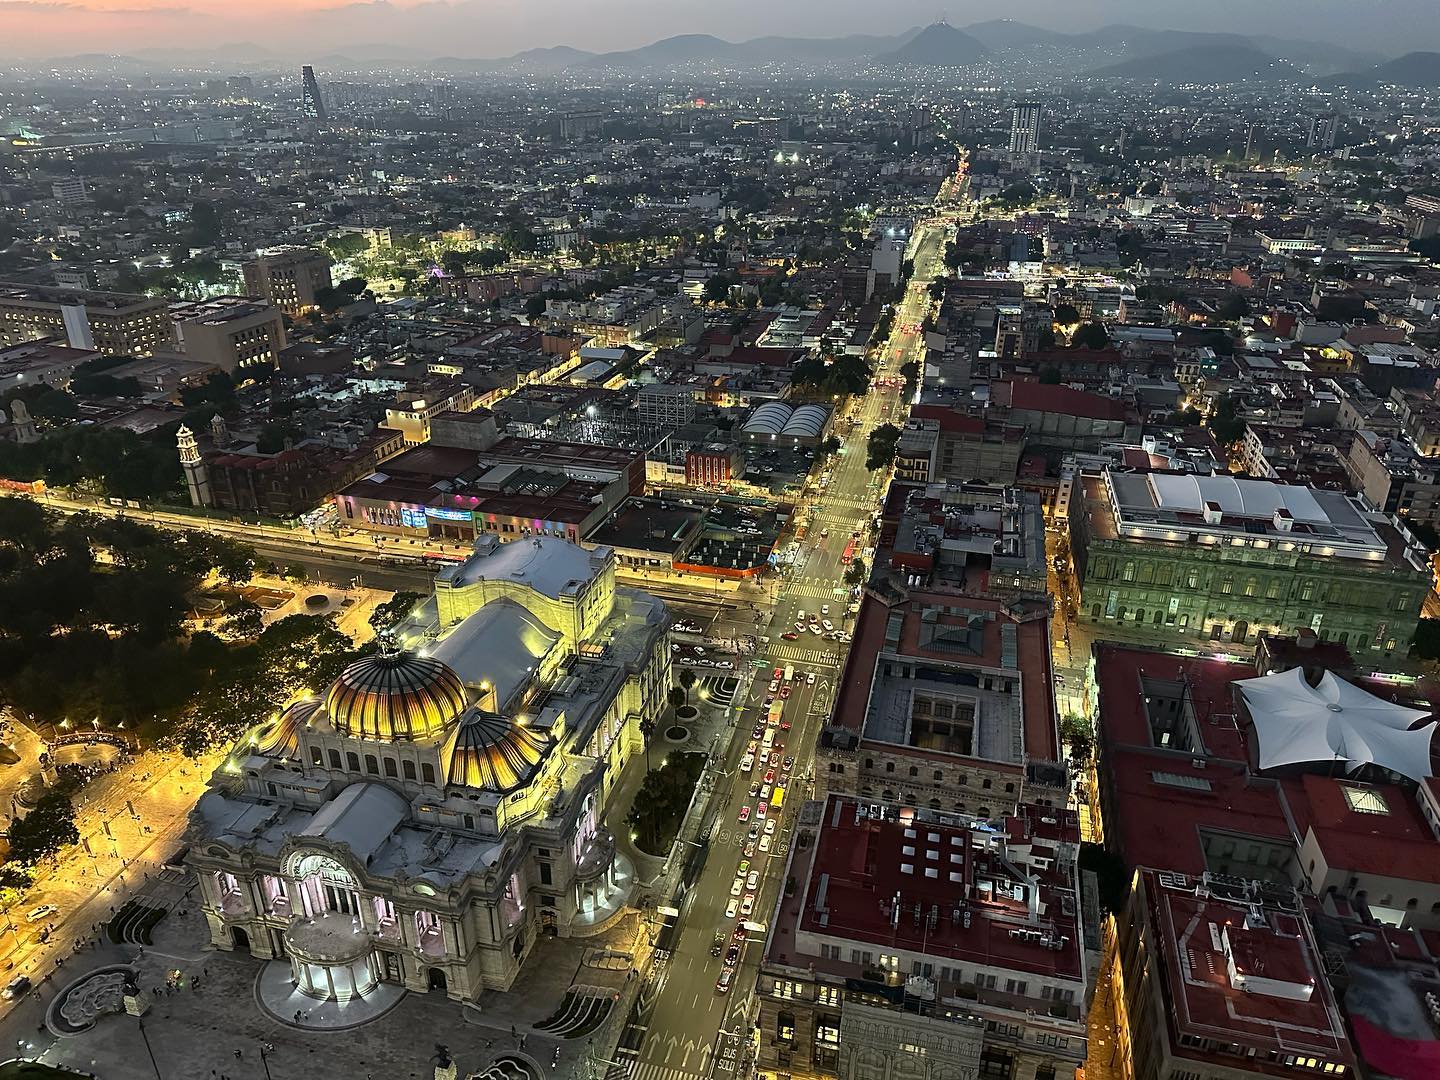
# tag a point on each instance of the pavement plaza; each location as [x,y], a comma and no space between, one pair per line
[205,1021]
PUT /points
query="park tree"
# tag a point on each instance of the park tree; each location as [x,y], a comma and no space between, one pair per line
[46,830]
[389,612]
[881,446]
[1090,335]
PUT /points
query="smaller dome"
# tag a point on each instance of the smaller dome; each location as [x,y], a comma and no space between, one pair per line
[489,752]
[282,738]
[395,695]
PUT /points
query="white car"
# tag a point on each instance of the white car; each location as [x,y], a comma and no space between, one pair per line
[810,679]
[44,911]
[747,763]
[764,843]
[753,881]
[815,628]
[770,826]
[827,624]
[774,686]
[824,609]
[737,886]
[748,906]
[731,908]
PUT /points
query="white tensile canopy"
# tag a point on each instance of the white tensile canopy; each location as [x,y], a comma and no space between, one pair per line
[1298,723]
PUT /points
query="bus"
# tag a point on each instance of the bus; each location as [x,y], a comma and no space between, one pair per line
[777,797]
[849,555]
[776,708]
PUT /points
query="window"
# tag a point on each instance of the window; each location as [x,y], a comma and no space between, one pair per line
[914,771]
[372,765]
[828,995]
[390,769]
[1364,800]
[1192,579]
[1272,590]
[316,757]
[785,1027]
[352,761]
[1307,590]
[335,759]
[939,776]
[1227,585]
[1128,574]
[408,768]
[546,877]
[1251,585]
[889,766]
[427,772]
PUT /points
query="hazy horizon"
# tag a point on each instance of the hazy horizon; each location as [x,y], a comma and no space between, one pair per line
[494,28]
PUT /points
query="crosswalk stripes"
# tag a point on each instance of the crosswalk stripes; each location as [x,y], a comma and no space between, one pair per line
[802,656]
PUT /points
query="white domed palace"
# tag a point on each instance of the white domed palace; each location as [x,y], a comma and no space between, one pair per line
[440,806]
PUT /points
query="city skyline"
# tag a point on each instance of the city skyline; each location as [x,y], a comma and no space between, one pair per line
[489,29]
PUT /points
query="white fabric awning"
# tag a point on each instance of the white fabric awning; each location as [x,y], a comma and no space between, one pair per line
[1297,723]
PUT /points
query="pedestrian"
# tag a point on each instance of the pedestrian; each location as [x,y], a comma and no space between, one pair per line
[239,1054]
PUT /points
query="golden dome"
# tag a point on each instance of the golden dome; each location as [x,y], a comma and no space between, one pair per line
[395,695]
[282,737]
[487,751]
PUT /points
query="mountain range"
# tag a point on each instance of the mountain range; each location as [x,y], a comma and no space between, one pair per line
[1119,51]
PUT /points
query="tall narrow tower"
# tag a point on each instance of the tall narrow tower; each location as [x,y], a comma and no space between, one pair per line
[24,426]
[1025,127]
[311,103]
[196,478]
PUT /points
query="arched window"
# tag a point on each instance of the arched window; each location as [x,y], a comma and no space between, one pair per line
[408,767]
[914,771]
[427,772]
[390,769]
[1140,615]
[372,765]
[352,760]
[335,759]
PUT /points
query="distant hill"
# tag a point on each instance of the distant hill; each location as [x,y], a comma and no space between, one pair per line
[1215,63]
[998,35]
[681,49]
[938,45]
[1413,69]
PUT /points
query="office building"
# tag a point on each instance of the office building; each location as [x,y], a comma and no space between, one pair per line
[289,279]
[433,814]
[231,332]
[1025,127]
[1179,557]
[312,104]
[114,324]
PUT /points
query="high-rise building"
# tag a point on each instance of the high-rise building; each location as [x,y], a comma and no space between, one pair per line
[289,279]
[311,103]
[1025,127]
[116,324]
[1252,136]
[1323,132]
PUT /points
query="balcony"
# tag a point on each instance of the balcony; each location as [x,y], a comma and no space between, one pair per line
[431,943]
[233,905]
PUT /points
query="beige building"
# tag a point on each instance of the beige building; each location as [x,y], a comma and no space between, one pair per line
[113,324]
[288,279]
[231,332]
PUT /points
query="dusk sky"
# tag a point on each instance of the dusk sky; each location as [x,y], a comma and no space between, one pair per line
[499,27]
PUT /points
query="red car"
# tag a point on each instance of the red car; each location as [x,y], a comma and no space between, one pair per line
[785,692]
[784,725]
[745,813]
[789,635]
[779,673]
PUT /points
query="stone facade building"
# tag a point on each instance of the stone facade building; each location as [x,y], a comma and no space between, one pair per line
[439,807]
[1177,557]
